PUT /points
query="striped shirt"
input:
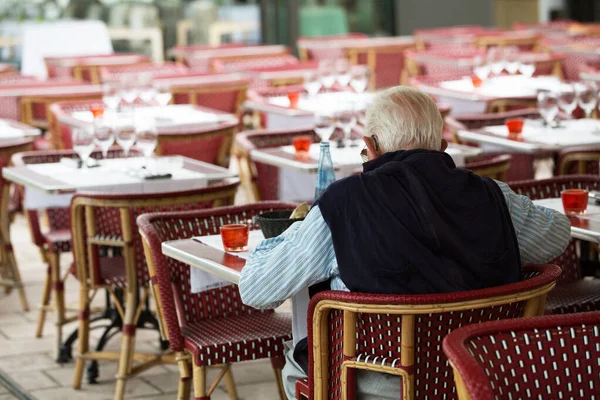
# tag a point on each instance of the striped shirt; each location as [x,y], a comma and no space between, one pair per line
[304,255]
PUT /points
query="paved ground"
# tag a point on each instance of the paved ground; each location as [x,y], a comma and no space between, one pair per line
[29,361]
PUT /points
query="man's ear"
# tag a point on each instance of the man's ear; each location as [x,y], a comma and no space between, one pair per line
[373,151]
[444,145]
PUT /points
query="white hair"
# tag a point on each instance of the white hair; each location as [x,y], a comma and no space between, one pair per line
[405,118]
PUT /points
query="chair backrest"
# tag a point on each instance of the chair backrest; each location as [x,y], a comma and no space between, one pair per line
[579,160]
[224,92]
[551,357]
[201,60]
[264,178]
[57,218]
[114,73]
[402,334]
[101,220]
[551,188]
[325,46]
[490,165]
[386,62]
[527,41]
[220,65]
[444,36]
[87,68]
[177,305]
[60,133]
[440,61]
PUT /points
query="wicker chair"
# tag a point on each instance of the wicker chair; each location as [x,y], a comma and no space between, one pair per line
[439,61]
[573,293]
[521,166]
[386,63]
[185,315]
[542,357]
[429,38]
[325,48]
[490,165]
[10,277]
[219,65]
[102,220]
[52,243]
[114,73]
[578,160]
[203,60]
[262,180]
[402,334]
[523,40]
[87,68]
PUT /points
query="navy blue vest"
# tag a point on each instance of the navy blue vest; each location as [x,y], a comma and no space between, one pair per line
[413,223]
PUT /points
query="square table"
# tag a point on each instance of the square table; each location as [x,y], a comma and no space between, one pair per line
[584,227]
[206,257]
[52,184]
[537,138]
[297,177]
[11,129]
[464,98]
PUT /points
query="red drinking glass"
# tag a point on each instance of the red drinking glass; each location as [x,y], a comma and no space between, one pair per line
[293,97]
[476,81]
[302,144]
[515,127]
[97,111]
[574,201]
[235,237]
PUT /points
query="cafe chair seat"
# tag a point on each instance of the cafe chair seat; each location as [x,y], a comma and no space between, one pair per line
[551,357]
[578,160]
[58,241]
[578,296]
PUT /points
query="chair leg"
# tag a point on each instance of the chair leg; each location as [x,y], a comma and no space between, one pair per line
[200,383]
[230,384]
[16,276]
[127,344]
[83,339]
[185,377]
[59,296]
[277,363]
[45,303]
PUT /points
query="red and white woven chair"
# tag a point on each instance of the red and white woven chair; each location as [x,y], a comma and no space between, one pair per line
[195,323]
[114,73]
[429,38]
[572,293]
[202,60]
[402,334]
[552,357]
[53,242]
[107,220]
[325,47]
[10,277]
[492,166]
[440,61]
[227,65]
[578,160]
[87,68]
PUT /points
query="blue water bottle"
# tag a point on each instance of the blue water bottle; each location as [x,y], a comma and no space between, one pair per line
[325,173]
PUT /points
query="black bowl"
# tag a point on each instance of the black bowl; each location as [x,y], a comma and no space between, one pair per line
[274,223]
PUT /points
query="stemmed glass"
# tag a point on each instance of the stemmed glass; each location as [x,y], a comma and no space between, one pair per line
[129,90]
[480,68]
[359,79]
[527,68]
[547,104]
[326,71]
[324,125]
[567,98]
[162,94]
[511,57]
[111,96]
[587,97]
[343,76]
[147,92]
[312,84]
[146,137]
[104,135]
[495,61]
[83,144]
[125,135]
[346,120]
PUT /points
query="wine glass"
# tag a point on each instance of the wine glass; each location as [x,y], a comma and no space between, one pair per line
[312,84]
[495,61]
[359,79]
[111,96]
[146,136]
[346,120]
[567,98]
[125,136]
[527,69]
[587,97]
[326,72]
[104,135]
[83,143]
[324,125]
[547,104]
[511,57]
[480,68]
[163,94]
[129,89]
[147,92]
[343,76]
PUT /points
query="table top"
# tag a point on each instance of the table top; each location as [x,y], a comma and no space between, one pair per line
[501,87]
[170,119]
[11,129]
[538,138]
[117,175]
[584,227]
[285,157]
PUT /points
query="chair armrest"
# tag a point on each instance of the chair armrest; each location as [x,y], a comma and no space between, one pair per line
[302,389]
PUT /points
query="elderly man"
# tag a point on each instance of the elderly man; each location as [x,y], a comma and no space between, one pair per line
[411,223]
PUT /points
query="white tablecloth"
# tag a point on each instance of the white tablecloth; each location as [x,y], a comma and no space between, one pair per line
[201,280]
[324,102]
[573,133]
[505,86]
[172,115]
[56,39]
